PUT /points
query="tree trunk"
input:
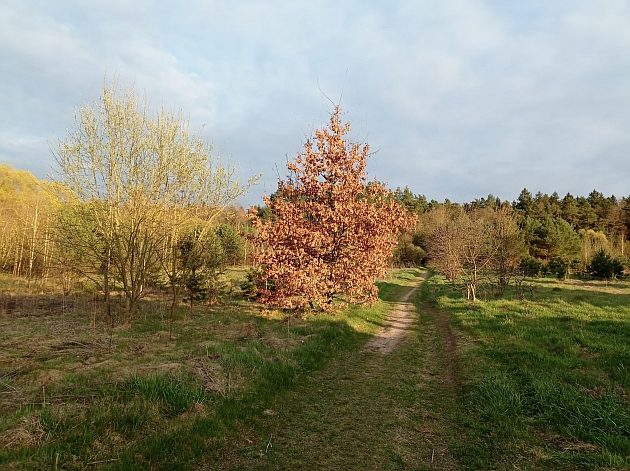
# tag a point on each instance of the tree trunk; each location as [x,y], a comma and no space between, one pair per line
[107,289]
[173,304]
[46,244]
[31,258]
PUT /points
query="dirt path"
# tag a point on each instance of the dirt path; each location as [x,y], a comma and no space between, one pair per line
[382,407]
[448,341]
[399,323]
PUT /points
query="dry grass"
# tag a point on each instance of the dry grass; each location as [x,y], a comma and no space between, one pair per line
[74,391]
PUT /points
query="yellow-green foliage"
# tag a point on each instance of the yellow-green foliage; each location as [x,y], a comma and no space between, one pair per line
[27,207]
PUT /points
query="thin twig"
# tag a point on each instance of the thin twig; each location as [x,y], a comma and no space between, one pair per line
[101,461]
[269,444]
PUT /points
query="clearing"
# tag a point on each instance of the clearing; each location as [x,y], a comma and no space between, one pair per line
[421,380]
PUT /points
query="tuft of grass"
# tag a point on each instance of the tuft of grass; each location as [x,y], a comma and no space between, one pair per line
[173,395]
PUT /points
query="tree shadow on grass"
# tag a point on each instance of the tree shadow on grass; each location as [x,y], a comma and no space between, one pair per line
[582,296]
[615,284]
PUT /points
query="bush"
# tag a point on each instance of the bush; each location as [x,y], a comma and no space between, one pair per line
[559,267]
[603,266]
[531,266]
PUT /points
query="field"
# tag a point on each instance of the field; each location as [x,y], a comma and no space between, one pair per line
[499,384]
[545,382]
[74,393]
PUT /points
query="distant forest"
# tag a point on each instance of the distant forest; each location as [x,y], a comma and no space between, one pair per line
[583,235]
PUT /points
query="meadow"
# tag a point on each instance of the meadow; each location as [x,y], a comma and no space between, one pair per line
[502,383]
[75,393]
[545,381]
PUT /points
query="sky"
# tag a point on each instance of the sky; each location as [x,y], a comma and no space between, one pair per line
[457,98]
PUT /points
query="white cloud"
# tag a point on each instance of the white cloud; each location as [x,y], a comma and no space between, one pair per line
[462,98]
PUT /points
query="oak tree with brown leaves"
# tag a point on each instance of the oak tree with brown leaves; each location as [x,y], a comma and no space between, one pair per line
[331,233]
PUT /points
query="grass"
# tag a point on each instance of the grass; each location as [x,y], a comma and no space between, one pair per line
[546,381]
[75,394]
[366,410]
[535,384]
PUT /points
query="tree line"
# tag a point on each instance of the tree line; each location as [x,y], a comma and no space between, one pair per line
[534,235]
[140,203]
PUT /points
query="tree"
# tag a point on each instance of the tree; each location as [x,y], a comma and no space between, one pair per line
[525,202]
[476,249]
[530,266]
[570,210]
[559,267]
[331,233]
[27,210]
[617,228]
[414,203]
[484,240]
[232,243]
[604,266]
[203,258]
[444,240]
[507,244]
[140,175]
[551,237]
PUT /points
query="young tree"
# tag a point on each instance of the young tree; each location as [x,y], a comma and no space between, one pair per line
[445,241]
[478,249]
[140,175]
[507,244]
[485,240]
[331,233]
[202,259]
[603,266]
[232,243]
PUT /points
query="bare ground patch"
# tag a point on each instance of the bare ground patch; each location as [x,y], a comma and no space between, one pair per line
[398,324]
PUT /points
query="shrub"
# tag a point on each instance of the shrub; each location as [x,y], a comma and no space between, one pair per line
[559,267]
[531,266]
[603,266]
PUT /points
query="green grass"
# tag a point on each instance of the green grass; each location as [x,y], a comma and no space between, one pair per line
[545,382]
[135,398]
[366,410]
[535,384]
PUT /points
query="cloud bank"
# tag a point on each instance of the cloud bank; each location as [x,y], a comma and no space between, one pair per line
[459,98]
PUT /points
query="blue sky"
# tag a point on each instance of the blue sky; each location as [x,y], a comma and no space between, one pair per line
[458,98]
